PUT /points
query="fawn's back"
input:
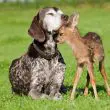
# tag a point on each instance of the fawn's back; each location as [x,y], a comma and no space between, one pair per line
[94,43]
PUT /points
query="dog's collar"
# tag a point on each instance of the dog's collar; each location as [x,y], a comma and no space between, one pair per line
[43,54]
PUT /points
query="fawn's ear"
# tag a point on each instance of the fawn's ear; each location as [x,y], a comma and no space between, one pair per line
[74,19]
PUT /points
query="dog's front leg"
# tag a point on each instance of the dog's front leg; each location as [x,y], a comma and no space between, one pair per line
[37,82]
[57,81]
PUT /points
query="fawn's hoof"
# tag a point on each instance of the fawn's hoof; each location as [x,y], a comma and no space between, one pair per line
[97,98]
[72,97]
[86,92]
[108,92]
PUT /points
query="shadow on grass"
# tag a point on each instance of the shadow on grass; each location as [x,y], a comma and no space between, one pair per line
[80,91]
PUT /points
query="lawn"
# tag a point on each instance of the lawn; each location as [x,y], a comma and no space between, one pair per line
[14,41]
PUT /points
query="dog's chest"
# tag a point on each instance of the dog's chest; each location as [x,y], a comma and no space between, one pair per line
[43,69]
[50,45]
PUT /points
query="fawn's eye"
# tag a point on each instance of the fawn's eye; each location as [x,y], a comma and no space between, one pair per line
[61,34]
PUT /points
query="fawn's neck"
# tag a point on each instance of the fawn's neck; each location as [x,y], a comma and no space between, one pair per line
[74,39]
[80,50]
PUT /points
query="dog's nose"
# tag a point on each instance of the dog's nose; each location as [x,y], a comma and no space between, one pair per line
[65,17]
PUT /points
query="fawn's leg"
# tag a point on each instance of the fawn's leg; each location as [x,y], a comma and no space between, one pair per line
[76,80]
[92,79]
[104,75]
[87,85]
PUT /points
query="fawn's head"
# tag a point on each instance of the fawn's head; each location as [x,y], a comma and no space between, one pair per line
[67,29]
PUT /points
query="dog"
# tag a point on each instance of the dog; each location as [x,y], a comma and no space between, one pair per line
[41,70]
[87,50]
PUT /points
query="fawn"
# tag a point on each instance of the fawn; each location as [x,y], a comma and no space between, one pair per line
[87,50]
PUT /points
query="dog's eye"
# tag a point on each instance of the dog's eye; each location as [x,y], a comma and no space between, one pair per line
[50,14]
[61,34]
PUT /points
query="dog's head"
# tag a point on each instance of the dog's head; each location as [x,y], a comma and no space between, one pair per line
[47,20]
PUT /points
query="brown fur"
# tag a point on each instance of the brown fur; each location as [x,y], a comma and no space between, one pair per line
[87,50]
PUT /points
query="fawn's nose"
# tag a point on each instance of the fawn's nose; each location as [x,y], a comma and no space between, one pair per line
[64,17]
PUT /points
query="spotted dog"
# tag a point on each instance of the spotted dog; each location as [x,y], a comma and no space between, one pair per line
[41,70]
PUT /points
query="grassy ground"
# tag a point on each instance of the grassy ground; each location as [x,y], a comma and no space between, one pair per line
[14,41]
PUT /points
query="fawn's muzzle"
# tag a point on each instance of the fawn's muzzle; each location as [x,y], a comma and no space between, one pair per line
[64,17]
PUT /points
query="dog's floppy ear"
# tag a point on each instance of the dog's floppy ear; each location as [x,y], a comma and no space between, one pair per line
[35,30]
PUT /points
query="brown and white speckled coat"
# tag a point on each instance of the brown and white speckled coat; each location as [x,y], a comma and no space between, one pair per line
[41,70]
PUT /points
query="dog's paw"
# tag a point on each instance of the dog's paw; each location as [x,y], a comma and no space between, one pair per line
[44,96]
[57,96]
[34,95]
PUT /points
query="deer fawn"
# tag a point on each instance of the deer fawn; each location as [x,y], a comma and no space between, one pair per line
[86,50]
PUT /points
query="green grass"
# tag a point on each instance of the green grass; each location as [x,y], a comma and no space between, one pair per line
[14,41]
